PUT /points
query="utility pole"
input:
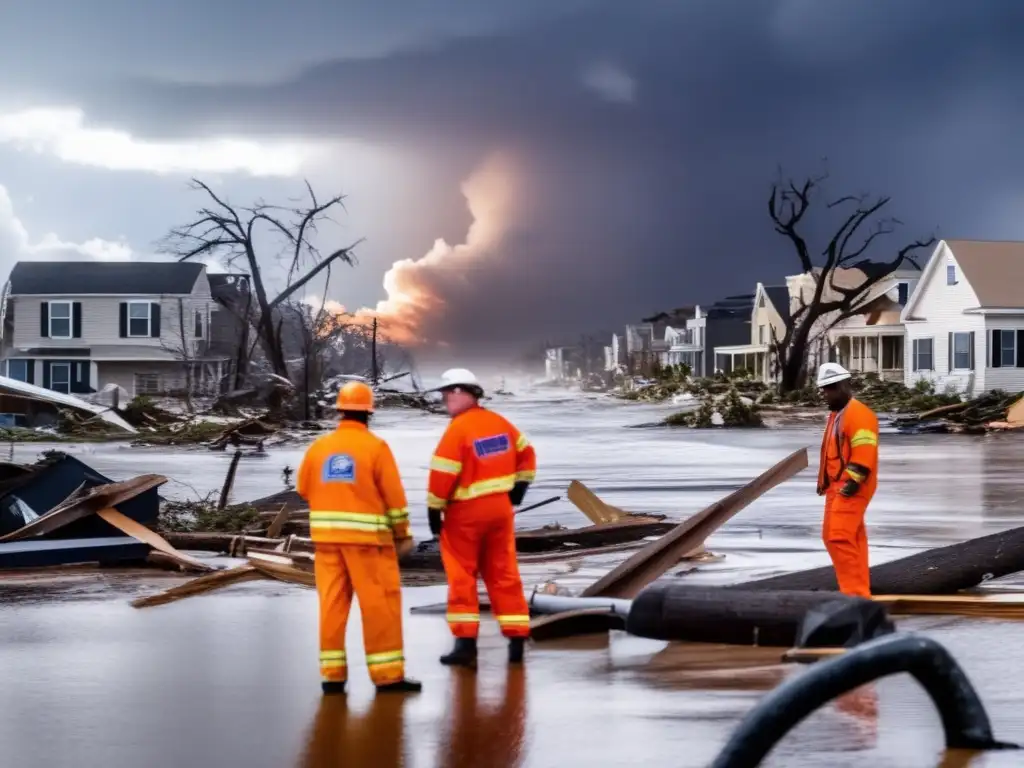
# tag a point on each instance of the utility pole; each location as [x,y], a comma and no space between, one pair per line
[374,373]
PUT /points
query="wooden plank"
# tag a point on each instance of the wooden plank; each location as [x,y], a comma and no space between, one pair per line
[200,585]
[140,532]
[282,569]
[1009,607]
[587,502]
[654,560]
[278,522]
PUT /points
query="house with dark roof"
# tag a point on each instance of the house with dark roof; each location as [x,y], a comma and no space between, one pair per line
[965,322]
[766,319]
[76,326]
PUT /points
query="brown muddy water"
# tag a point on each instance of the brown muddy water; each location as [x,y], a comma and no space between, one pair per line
[230,678]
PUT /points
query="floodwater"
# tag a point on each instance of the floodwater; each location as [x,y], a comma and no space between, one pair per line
[230,678]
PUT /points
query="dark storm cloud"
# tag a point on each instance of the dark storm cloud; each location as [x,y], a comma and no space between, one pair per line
[655,196]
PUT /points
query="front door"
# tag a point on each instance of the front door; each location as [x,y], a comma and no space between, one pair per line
[60,377]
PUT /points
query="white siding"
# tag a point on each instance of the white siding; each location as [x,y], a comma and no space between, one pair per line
[1010,378]
[101,321]
[939,312]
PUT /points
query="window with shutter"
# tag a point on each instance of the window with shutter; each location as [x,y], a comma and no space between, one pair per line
[139,319]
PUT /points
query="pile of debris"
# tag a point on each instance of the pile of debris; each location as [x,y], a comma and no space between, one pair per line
[992,411]
[727,410]
[60,511]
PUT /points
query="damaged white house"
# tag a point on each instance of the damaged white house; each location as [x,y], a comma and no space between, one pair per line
[74,327]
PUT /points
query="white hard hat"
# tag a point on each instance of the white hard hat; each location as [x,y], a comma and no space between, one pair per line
[459,377]
[832,373]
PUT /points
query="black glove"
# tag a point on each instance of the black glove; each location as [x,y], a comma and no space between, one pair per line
[850,488]
[434,517]
[517,493]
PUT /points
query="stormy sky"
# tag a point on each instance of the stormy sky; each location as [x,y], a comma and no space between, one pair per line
[584,162]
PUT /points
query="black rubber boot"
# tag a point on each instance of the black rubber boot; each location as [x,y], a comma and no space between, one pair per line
[516,645]
[402,686]
[331,687]
[463,654]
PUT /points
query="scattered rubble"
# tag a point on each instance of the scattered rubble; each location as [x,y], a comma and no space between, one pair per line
[728,410]
[992,411]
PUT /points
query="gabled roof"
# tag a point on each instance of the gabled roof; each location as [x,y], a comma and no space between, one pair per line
[778,295]
[80,278]
[994,269]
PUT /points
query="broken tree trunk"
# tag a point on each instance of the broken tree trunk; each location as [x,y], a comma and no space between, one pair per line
[939,571]
[654,560]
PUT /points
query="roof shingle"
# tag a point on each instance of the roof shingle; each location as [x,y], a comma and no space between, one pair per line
[994,269]
[79,278]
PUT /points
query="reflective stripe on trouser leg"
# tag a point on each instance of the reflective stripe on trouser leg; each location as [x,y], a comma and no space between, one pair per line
[334,590]
[375,576]
[460,545]
[500,571]
[333,666]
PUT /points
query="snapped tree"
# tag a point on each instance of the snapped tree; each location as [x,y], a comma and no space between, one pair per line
[255,237]
[855,238]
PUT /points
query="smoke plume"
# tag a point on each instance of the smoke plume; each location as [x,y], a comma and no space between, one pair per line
[420,291]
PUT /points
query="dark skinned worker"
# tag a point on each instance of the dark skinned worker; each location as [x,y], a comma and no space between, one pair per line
[481,468]
[359,523]
[847,478]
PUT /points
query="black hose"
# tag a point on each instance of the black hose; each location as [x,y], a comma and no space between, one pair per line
[964,719]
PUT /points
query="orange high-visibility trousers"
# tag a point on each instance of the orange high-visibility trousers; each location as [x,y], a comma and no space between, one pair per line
[846,539]
[372,573]
[478,539]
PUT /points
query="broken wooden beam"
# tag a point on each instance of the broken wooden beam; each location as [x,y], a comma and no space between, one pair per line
[654,560]
[200,585]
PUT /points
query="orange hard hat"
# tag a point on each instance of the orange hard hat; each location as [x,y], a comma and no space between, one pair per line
[355,396]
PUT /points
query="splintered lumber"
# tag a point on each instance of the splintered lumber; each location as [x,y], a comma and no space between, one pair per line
[939,571]
[282,568]
[587,502]
[80,505]
[140,532]
[200,585]
[654,560]
[274,530]
[710,615]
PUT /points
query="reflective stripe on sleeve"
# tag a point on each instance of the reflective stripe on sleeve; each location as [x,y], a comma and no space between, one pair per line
[441,464]
[863,437]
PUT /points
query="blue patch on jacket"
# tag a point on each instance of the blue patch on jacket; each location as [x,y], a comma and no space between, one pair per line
[339,468]
[491,446]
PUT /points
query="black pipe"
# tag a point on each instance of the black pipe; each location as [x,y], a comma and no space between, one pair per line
[964,719]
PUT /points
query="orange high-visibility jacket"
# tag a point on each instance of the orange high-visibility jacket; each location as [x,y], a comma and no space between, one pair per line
[849,449]
[350,479]
[480,454]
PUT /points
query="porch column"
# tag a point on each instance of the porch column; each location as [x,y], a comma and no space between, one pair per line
[878,352]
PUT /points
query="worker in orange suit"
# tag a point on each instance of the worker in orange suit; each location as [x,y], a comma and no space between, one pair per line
[359,523]
[482,467]
[847,478]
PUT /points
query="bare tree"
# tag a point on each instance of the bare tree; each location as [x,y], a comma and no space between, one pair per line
[181,345]
[319,333]
[242,235]
[830,303]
